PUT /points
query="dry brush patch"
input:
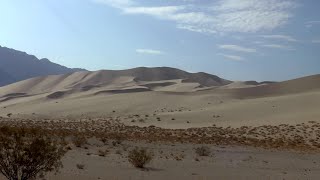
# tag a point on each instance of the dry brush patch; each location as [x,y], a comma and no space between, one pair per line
[203,151]
[300,137]
[26,153]
[139,157]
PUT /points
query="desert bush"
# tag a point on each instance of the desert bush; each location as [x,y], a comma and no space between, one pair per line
[104,140]
[28,153]
[203,151]
[80,166]
[103,153]
[139,157]
[117,141]
[118,151]
[79,141]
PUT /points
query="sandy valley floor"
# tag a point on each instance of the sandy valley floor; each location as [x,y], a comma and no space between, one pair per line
[179,161]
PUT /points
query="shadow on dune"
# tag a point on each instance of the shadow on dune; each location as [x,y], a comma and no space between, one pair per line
[123,91]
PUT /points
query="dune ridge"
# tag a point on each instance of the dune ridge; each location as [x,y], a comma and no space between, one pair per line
[112,79]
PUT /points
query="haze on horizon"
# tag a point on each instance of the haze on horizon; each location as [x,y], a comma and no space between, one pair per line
[234,39]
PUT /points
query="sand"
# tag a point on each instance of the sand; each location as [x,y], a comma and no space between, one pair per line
[141,100]
[180,162]
[291,102]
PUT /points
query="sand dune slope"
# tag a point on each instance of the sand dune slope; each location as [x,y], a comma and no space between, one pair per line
[164,102]
[84,81]
[300,85]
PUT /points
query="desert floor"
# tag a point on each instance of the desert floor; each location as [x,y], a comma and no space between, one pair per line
[179,161]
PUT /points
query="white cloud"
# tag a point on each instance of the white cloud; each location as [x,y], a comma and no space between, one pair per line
[278,46]
[252,15]
[310,24]
[237,48]
[163,12]
[149,51]
[228,5]
[196,29]
[116,3]
[232,57]
[280,37]
[216,16]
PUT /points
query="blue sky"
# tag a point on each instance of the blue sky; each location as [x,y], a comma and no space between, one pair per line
[235,39]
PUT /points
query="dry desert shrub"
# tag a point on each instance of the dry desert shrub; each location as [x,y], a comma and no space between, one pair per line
[79,141]
[80,166]
[203,151]
[139,157]
[28,153]
[104,140]
[103,153]
[117,141]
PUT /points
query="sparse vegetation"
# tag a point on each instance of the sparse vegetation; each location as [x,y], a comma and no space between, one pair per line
[80,166]
[118,151]
[103,153]
[139,157]
[104,140]
[203,151]
[28,153]
[117,141]
[79,141]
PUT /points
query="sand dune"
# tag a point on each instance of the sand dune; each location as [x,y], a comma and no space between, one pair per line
[150,105]
[300,85]
[161,96]
[112,80]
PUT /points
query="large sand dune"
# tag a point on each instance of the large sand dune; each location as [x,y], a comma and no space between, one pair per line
[107,79]
[171,98]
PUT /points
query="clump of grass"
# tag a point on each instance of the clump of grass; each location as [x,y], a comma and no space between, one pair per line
[118,152]
[104,140]
[139,157]
[103,153]
[79,141]
[117,141]
[80,166]
[203,151]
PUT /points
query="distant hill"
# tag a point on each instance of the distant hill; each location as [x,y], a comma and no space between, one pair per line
[5,78]
[17,65]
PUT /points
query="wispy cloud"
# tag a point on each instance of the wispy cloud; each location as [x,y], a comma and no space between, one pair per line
[280,37]
[278,46]
[149,51]
[316,41]
[232,57]
[116,3]
[252,15]
[220,16]
[310,24]
[237,48]
[163,12]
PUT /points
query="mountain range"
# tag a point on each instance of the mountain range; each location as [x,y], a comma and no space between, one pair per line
[17,65]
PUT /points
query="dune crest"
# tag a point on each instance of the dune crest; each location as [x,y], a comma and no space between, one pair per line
[152,78]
